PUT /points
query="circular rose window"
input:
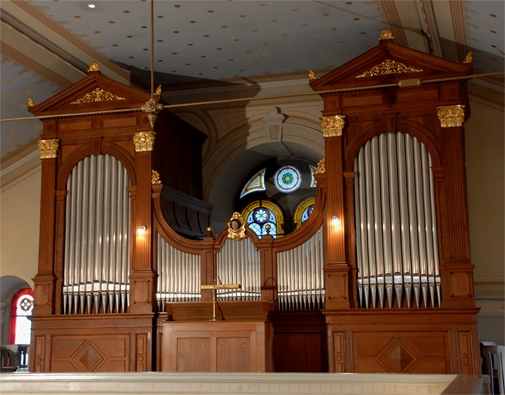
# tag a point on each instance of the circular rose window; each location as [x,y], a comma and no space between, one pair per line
[287,179]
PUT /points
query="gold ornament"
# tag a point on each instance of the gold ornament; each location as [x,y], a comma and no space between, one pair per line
[93,67]
[469,58]
[31,103]
[48,148]
[236,227]
[321,166]
[158,90]
[144,141]
[451,116]
[333,126]
[96,96]
[386,35]
[312,76]
[387,67]
[155,178]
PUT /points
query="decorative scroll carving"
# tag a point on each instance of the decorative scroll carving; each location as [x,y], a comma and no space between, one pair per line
[469,58]
[388,67]
[236,227]
[321,166]
[312,76]
[144,141]
[386,35]
[48,148]
[93,67]
[97,95]
[333,126]
[451,116]
[155,178]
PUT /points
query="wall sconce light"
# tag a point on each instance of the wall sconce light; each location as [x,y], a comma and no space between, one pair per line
[142,230]
[335,221]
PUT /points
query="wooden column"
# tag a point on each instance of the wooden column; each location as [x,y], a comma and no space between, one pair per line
[142,274]
[350,239]
[336,269]
[456,267]
[268,261]
[45,279]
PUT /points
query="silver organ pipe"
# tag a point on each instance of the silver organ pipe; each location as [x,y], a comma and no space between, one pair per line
[396,243]
[300,275]
[179,275]
[238,262]
[96,259]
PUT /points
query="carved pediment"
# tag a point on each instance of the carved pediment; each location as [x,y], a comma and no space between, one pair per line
[386,63]
[97,95]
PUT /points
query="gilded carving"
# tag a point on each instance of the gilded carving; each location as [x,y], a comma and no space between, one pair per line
[333,126]
[469,58]
[236,227]
[93,67]
[48,148]
[158,90]
[388,67]
[155,178]
[97,95]
[451,116]
[386,35]
[31,103]
[321,166]
[312,75]
[144,141]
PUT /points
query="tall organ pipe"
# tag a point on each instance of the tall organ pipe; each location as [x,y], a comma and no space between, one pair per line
[96,258]
[396,239]
[300,275]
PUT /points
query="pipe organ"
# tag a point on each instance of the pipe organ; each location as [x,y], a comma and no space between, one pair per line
[396,252]
[389,288]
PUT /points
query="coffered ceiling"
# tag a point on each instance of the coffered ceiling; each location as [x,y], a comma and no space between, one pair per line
[48,45]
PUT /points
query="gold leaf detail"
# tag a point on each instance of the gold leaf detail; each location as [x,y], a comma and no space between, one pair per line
[312,76]
[386,35]
[321,166]
[144,141]
[93,67]
[97,95]
[469,58]
[236,232]
[158,91]
[333,126]
[48,148]
[388,67]
[451,116]
[155,178]
[31,103]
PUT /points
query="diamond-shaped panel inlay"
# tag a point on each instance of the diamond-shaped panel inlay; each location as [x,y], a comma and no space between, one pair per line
[90,357]
[400,356]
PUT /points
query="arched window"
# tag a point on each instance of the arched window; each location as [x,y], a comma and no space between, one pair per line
[261,213]
[303,211]
[20,325]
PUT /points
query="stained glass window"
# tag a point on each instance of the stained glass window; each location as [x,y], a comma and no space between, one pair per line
[303,211]
[261,213]
[287,179]
[255,184]
[20,325]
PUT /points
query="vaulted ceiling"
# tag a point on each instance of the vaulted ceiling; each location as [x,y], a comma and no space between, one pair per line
[47,46]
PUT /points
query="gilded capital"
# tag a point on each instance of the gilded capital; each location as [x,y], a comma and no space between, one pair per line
[321,166]
[48,148]
[144,141]
[333,126]
[451,116]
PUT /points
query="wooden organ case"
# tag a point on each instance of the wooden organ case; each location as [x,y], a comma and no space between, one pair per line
[378,279]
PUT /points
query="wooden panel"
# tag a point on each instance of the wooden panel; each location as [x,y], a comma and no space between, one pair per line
[97,354]
[142,354]
[297,352]
[237,360]
[193,354]
[401,353]
[465,352]
[216,346]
